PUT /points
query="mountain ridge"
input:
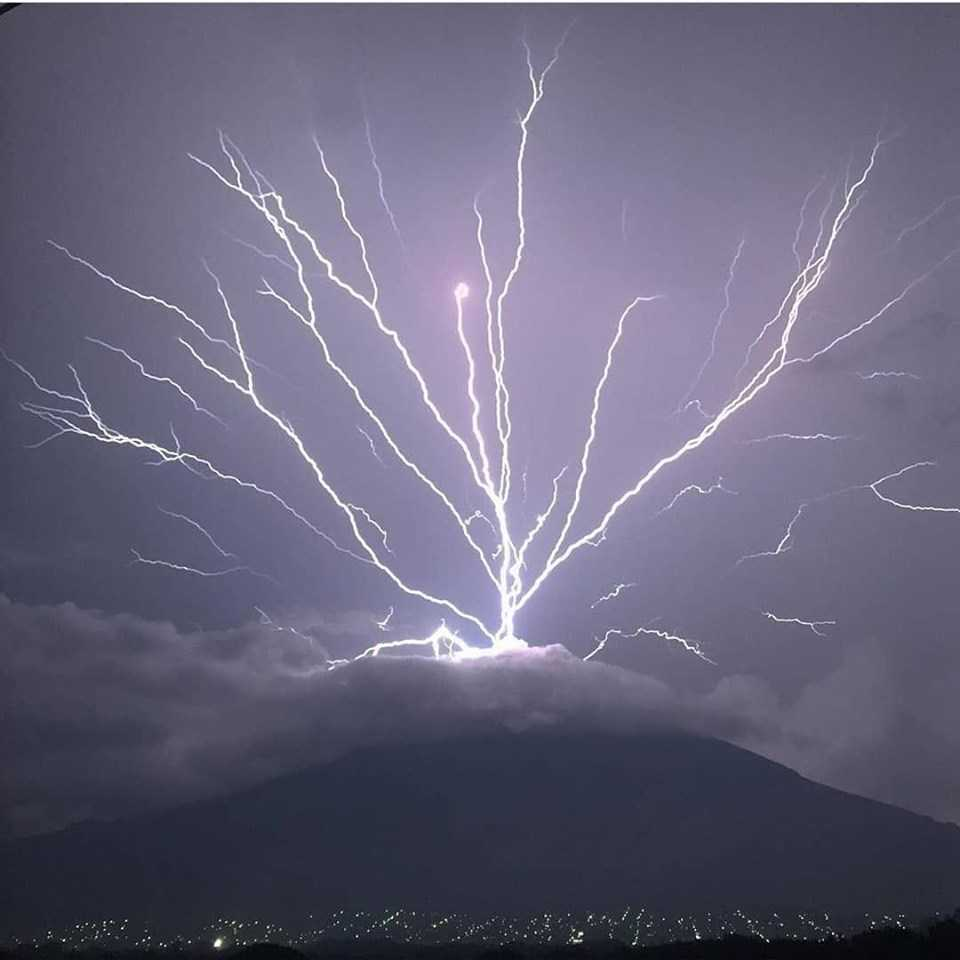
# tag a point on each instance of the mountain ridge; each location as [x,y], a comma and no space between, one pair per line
[498,822]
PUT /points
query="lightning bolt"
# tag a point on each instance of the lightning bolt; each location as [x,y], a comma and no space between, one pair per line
[443,642]
[874,487]
[267,621]
[813,625]
[696,406]
[157,379]
[260,252]
[689,646]
[201,530]
[384,624]
[612,595]
[731,273]
[799,436]
[924,220]
[786,541]
[801,223]
[878,374]
[375,163]
[716,487]
[507,565]
[197,571]
[372,445]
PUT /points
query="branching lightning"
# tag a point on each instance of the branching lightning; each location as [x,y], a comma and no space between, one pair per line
[784,544]
[512,557]
[198,571]
[150,376]
[786,541]
[874,487]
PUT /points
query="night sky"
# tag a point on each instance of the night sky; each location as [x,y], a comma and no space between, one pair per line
[665,137]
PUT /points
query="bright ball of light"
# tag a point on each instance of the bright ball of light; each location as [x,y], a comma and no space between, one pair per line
[461,291]
[218,943]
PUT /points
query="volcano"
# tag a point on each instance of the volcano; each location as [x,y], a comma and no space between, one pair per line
[507,823]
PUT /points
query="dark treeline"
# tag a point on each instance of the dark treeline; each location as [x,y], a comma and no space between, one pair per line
[939,940]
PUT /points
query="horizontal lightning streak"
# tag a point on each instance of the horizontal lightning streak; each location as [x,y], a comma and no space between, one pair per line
[878,374]
[799,436]
[716,487]
[786,542]
[689,645]
[813,625]
[443,642]
[197,571]
[908,506]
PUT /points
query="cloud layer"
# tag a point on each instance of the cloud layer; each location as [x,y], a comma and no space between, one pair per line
[108,715]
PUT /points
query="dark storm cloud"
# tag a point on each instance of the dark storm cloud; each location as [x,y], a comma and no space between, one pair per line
[109,715]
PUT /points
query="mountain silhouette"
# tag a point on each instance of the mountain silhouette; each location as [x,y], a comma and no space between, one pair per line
[506,823]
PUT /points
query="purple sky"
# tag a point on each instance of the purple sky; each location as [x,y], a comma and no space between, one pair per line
[666,135]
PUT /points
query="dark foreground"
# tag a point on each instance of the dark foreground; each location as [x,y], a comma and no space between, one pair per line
[940,939]
[629,808]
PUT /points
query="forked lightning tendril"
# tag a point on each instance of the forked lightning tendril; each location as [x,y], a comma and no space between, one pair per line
[513,556]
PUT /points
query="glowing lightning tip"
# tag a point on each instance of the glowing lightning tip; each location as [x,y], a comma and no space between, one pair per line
[461,291]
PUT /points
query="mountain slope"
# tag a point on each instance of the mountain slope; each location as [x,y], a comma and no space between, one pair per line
[505,823]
